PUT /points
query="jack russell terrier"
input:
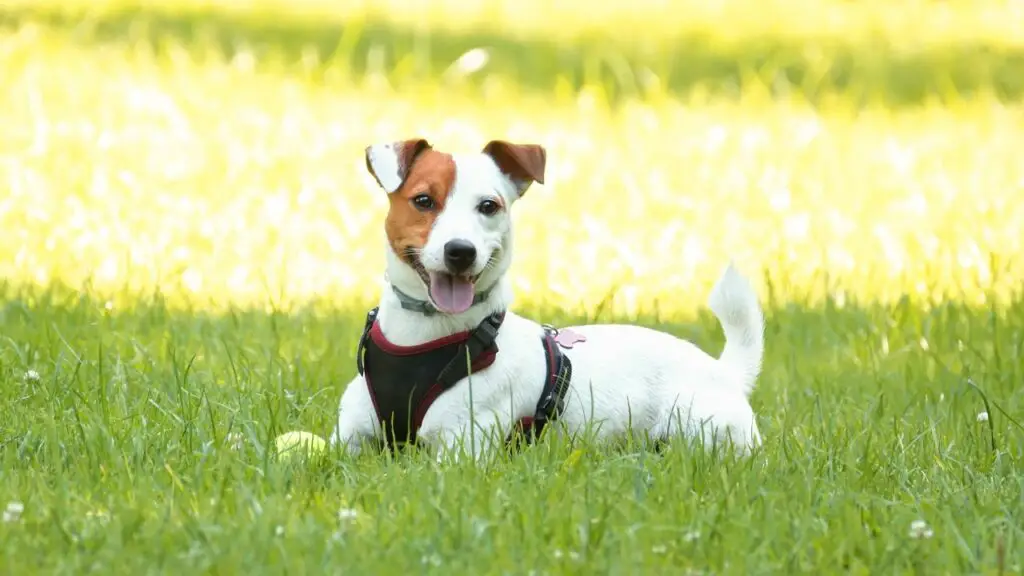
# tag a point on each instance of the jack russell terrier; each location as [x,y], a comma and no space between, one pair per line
[443,361]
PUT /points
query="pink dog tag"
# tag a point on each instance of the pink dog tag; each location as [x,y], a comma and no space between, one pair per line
[566,338]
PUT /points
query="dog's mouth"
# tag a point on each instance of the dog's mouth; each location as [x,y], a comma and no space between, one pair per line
[450,293]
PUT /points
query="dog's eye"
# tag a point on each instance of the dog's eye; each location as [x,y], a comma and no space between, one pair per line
[423,202]
[488,207]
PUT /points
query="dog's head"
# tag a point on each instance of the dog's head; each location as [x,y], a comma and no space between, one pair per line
[448,224]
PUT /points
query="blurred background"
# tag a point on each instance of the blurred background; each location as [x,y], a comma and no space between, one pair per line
[189,241]
[213,150]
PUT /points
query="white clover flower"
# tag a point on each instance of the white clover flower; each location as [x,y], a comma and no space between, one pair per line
[31,376]
[13,511]
[919,529]
[982,416]
[235,441]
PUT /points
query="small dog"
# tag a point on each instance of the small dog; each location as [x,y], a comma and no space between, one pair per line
[442,360]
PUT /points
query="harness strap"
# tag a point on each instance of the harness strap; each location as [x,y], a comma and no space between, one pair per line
[556,386]
[371,317]
[480,340]
[556,383]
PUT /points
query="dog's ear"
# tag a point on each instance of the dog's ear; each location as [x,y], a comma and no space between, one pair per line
[523,164]
[390,162]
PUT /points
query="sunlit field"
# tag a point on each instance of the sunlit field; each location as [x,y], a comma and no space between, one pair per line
[189,240]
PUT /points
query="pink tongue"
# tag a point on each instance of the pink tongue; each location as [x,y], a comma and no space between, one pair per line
[450,294]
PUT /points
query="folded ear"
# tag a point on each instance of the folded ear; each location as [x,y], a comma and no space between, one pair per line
[390,162]
[523,164]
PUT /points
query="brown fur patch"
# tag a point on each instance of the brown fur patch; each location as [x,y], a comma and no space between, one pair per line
[407,227]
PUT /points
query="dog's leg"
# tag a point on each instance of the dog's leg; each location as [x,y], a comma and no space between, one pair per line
[357,421]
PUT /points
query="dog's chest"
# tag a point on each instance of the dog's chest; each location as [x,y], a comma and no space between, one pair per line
[404,385]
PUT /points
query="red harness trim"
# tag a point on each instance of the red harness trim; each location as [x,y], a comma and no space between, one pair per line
[551,355]
[556,383]
[380,340]
[482,361]
[526,422]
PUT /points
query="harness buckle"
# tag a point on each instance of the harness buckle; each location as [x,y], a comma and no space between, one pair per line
[487,331]
[546,408]
[480,339]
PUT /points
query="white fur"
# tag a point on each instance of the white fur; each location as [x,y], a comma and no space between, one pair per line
[476,180]
[625,378]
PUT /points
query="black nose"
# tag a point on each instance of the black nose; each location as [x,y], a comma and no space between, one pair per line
[459,256]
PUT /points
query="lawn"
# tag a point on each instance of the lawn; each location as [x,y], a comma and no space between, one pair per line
[189,241]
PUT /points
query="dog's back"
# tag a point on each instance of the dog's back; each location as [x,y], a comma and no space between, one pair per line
[634,377]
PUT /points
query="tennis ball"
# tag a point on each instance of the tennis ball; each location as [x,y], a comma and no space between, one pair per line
[290,443]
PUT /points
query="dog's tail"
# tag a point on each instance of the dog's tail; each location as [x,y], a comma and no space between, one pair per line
[735,303]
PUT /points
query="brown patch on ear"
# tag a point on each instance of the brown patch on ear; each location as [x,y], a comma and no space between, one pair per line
[405,153]
[406,226]
[523,163]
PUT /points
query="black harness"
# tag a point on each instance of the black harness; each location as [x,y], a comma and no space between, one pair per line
[404,381]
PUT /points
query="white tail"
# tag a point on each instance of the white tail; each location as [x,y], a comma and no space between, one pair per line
[735,303]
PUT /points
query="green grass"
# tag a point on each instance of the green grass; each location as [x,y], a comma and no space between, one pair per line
[189,241]
[122,453]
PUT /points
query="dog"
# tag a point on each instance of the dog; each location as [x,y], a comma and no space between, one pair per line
[443,362]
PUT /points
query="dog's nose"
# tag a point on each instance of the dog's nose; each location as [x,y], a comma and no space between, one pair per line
[459,255]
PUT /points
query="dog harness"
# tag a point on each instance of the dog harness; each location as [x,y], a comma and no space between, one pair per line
[404,381]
